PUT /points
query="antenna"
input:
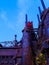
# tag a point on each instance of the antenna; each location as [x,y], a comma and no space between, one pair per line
[44,7]
[39,10]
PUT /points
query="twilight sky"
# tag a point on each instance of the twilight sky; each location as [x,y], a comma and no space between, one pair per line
[12,16]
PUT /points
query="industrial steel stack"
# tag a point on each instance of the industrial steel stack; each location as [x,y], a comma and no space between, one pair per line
[24,52]
[29,44]
[43,31]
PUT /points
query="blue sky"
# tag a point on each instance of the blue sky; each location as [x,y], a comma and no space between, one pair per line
[12,16]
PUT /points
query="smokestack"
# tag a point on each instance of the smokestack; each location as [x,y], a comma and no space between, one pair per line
[39,10]
[44,7]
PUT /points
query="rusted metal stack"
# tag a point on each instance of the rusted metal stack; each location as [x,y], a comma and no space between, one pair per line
[23,53]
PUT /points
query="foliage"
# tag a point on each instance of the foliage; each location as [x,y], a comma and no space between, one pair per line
[41,59]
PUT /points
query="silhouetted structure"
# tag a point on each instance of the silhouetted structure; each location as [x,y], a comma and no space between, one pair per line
[24,51]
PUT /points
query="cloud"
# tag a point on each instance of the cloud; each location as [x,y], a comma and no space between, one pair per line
[23,8]
[3,15]
[5,20]
[23,4]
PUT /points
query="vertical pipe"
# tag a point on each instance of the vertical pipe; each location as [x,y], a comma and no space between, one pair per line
[39,10]
[38,18]
[15,41]
[15,37]
[26,55]
[44,7]
[26,20]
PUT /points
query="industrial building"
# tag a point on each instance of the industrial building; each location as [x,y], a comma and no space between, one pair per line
[24,52]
